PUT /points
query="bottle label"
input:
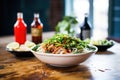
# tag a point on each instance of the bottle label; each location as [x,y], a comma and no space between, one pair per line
[85,34]
[36,32]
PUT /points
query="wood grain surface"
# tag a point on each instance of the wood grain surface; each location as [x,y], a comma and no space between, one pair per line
[101,66]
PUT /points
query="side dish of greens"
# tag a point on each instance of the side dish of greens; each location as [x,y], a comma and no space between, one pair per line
[100,42]
[63,44]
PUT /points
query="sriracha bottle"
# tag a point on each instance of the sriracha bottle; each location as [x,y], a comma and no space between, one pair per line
[20,29]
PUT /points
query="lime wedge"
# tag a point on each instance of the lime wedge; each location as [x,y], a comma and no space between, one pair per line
[13,45]
[29,44]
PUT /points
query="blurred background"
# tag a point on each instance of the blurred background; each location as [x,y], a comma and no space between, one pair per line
[104,15]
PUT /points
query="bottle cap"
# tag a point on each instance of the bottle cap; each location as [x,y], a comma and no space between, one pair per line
[20,15]
[86,14]
[36,15]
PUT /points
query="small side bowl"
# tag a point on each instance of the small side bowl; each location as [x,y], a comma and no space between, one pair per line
[63,60]
[103,47]
[21,53]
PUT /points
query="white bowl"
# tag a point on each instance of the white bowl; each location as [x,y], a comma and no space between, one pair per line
[63,60]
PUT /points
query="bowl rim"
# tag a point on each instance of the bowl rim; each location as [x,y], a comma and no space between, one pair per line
[62,55]
[104,45]
[7,49]
[69,54]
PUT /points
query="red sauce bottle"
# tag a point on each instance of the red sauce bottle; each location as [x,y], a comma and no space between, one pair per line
[20,29]
[36,29]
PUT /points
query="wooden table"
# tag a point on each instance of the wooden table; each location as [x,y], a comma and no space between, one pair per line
[101,66]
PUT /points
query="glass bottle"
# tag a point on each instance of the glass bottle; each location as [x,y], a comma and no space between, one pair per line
[36,29]
[85,29]
[20,29]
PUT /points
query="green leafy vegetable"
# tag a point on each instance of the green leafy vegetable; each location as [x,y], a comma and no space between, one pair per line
[36,47]
[63,42]
[65,25]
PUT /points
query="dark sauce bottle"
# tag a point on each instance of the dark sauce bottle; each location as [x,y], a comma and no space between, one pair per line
[85,29]
[36,29]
